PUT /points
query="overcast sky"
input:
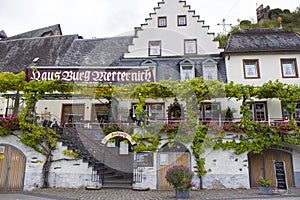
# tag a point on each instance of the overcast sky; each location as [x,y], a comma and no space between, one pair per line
[109,18]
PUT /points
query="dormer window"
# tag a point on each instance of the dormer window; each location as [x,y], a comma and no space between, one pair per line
[210,70]
[162,21]
[154,48]
[181,20]
[187,70]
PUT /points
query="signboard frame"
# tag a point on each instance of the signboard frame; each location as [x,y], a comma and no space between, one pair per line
[280,175]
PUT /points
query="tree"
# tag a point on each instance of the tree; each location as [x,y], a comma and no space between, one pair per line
[15,83]
[42,138]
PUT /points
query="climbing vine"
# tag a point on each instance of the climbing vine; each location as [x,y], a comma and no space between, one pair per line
[249,134]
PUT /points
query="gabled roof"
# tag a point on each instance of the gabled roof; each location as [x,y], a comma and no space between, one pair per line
[16,55]
[96,52]
[42,32]
[263,40]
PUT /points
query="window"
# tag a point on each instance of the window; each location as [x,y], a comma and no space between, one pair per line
[187,72]
[162,21]
[181,20]
[208,111]
[154,111]
[154,48]
[190,46]
[72,113]
[124,148]
[258,111]
[210,72]
[251,69]
[289,68]
[100,112]
[286,114]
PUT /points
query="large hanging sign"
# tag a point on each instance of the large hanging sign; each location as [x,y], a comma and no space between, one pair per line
[118,134]
[91,74]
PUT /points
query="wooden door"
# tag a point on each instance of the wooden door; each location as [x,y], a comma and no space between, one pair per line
[167,160]
[263,165]
[12,166]
[255,168]
[3,167]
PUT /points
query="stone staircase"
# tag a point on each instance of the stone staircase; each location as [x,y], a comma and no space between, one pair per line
[91,151]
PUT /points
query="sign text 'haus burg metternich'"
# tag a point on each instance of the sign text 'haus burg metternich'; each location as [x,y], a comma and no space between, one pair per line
[91,74]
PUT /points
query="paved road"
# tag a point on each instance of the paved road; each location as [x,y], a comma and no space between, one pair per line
[123,194]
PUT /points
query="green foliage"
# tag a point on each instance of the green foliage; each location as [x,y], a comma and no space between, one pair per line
[265,182]
[111,128]
[149,143]
[71,153]
[222,39]
[4,131]
[200,167]
[290,22]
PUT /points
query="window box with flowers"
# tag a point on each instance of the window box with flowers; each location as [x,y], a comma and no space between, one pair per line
[266,185]
[180,177]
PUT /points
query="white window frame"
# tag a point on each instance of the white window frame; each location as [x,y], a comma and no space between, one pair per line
[187,72]
[210,72]
[251,69]
[190,46]
[154,48]
[289,68]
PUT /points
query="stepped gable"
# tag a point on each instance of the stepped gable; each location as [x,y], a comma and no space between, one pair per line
[42,32]
[263,39]
[184,5]
[194,29]
[17,54]
[96,52]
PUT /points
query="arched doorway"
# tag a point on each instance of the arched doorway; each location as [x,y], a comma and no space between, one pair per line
[263,165]
[118,160]
[12,168]
[169,155]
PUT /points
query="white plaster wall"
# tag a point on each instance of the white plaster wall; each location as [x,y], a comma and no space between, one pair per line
[72,174]
[149,174]
[229,169]
[33,168]
[269,66]
[167,35]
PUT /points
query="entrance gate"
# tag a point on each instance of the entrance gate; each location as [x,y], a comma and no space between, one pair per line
[12,167]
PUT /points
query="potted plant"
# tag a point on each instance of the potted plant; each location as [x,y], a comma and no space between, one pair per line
[265,185]
[180,177]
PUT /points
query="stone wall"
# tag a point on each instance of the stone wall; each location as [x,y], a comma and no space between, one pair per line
[73,174]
